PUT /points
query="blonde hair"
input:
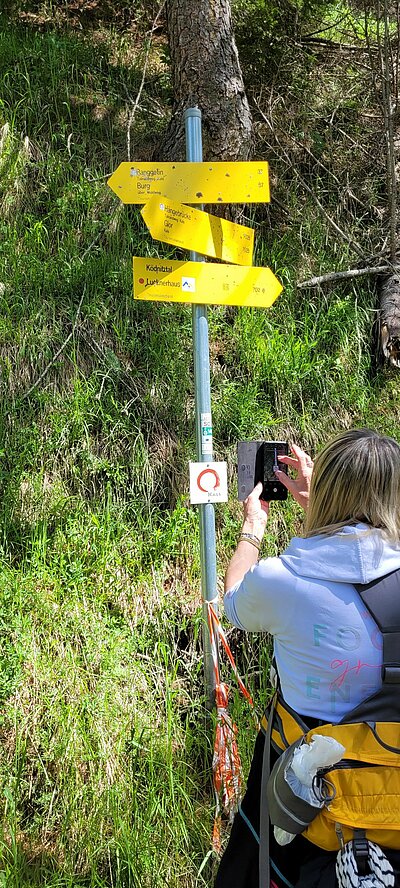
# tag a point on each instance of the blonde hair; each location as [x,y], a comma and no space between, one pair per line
[356,478]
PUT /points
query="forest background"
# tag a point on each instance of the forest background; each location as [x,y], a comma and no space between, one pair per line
[105,750]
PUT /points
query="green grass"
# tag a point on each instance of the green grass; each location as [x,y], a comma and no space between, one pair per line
[106,740]
[104,737]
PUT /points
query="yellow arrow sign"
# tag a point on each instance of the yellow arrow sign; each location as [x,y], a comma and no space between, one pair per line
[183,226]
[194,183]
[168,280]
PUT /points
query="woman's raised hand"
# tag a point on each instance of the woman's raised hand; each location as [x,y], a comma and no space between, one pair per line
[255,512]
[299,487]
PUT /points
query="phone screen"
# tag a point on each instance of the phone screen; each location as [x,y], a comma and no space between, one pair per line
[256,461]
[272,488]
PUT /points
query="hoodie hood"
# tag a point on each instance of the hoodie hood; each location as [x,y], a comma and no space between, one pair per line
[355,554]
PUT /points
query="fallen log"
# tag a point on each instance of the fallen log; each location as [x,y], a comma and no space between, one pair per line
[389,317]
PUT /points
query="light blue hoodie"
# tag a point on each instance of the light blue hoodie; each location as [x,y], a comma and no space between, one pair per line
[326,644]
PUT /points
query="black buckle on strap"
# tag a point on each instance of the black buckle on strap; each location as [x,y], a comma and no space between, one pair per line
[361,852]
[391,674]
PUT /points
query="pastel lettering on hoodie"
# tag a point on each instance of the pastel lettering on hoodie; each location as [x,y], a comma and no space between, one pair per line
[307,600]
[312,686]
[345,668]
[340,696]
[320,632]
[348,639]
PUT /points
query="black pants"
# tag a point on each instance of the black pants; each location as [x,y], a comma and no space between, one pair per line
[297,865]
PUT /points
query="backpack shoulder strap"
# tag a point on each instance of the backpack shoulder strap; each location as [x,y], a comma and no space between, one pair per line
[382,599]
[264,859]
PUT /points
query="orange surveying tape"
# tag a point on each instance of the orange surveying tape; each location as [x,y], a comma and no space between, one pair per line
[214,624]
[226,765]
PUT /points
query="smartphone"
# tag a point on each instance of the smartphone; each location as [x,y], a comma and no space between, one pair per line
[256,462]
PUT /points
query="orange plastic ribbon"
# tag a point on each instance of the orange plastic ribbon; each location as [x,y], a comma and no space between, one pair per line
[227,769]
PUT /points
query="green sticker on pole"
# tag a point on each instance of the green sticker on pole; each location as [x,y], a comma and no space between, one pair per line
[206,434]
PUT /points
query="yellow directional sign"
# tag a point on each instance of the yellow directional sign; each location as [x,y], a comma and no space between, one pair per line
[183,226]
[193,183]
[167,280]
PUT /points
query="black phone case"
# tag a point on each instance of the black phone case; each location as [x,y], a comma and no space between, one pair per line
[255,459]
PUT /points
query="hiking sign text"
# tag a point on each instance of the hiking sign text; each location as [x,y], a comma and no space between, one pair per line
[194,183]
[204,283]
[183,226]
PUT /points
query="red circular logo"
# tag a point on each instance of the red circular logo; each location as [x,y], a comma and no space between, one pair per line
[210,480]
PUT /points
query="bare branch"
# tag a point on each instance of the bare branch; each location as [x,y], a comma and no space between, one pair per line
[347,275]
[342,234]
[332,44]
[74,325]
[58,353]
[142,82]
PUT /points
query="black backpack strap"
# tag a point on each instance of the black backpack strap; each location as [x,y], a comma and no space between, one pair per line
[361,852]
[382,599]
[264,861]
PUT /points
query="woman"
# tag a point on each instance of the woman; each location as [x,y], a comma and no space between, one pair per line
[327,647]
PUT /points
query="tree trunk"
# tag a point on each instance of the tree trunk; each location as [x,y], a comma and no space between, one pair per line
[206,73]
[389,285]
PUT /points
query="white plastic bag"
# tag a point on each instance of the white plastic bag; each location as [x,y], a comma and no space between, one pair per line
[322,752]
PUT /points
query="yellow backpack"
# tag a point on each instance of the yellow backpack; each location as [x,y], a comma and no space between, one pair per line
[362,791]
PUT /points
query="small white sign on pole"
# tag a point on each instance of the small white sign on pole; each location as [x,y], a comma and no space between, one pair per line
[206,434]
[208,482]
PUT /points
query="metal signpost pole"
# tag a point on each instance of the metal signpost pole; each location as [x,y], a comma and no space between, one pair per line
[204,446]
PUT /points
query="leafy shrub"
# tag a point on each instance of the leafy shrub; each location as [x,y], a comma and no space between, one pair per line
[261,26]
